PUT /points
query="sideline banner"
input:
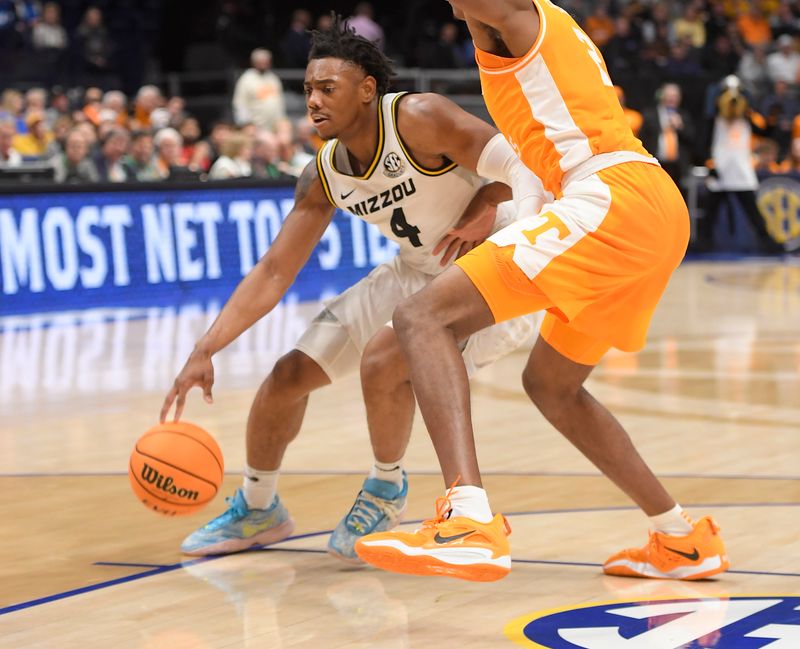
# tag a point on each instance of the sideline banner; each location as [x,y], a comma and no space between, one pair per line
[63,251]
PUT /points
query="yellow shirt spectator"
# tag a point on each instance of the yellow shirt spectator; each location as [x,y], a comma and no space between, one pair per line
[34,143]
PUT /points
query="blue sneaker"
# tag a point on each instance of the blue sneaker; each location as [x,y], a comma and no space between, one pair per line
[379,507]
[240,528]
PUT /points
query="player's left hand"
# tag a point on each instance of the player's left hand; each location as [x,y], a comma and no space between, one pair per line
[474,225]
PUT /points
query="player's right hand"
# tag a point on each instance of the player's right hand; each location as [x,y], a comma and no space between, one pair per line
[199,371]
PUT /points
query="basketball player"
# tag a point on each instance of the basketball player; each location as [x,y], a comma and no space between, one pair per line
[404,163]
[597,259]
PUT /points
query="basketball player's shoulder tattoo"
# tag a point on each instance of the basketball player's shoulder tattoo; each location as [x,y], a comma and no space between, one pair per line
[305,181]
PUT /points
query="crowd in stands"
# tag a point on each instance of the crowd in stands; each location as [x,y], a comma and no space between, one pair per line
[97,136]
[93,132]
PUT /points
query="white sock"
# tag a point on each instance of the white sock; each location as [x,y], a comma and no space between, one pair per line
[674,522]
[259,487]
[471,502]
[388,471]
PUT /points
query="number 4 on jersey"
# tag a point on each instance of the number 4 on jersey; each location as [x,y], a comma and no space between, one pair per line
[403,229]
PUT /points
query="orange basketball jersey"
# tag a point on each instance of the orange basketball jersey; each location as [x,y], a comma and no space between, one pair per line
[556,105]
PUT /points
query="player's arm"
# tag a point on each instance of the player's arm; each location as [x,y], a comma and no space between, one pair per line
[505,27]
[261,289]
[432,125]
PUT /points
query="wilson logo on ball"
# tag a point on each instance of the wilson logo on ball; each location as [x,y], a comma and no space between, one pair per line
[165,483]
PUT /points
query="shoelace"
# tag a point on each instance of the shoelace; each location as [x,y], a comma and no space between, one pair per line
[234,512]
[443,506]
[367,510]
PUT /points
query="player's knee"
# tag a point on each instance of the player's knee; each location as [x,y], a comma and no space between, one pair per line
[404,316]
[293,376]
[539,390]
[382,364]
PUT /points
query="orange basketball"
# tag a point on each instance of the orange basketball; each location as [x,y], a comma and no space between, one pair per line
[176,468]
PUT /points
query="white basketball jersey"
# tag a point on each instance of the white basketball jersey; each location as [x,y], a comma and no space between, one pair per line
[409,204]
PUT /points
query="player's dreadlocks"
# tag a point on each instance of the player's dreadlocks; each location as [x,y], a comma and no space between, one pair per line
[341,42]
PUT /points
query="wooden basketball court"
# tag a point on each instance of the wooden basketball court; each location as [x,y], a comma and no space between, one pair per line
[713,403]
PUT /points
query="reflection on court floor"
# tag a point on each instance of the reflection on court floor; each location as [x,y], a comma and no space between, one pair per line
[712,403]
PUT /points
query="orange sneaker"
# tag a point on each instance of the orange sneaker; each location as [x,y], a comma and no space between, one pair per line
[455,547]
[697,555]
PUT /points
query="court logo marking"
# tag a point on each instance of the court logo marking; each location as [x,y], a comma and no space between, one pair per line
[722,623]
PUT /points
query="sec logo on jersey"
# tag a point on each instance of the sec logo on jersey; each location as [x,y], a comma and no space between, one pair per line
[393,165]
[718,623]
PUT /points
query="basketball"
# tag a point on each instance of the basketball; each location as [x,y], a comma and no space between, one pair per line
[176,468]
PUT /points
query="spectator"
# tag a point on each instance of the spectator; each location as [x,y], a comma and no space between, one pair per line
[11,105]
[220,131]
[147,100]
[176,111]
[681,63]
[780,109]
[767,158]
[754,27]
[623,51]
[752,71]
[786,21]
[306,136]
[9,156]
[196,154]
[721,58]
[93,104]
[9,36]
[792,163]
[35,101]
[234,162]
[784,64]
[265,157]
[48,34]
[109,162]
[634,117]
[59,106]
[61,128]
[169,146]
[717,22]
[115,107]
[599,26]
[140,162]
[94,46]
[258,95]
[668,132]
[89,134]
[363,23]
[444,52]
[690,26]
[297,42]
[292,157]
[74,165]
[35,142]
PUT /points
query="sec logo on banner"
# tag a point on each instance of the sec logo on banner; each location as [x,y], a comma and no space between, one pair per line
[722,623]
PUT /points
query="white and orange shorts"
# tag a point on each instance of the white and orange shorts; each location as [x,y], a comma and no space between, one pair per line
[597,260]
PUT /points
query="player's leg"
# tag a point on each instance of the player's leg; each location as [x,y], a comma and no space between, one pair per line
[256,515]
[390,405]
[555,385]
[388,397]
[471,543]
[553,378]
[329,349]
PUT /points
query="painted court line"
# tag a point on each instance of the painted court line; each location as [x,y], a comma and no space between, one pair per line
[170,568]
[431,472]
